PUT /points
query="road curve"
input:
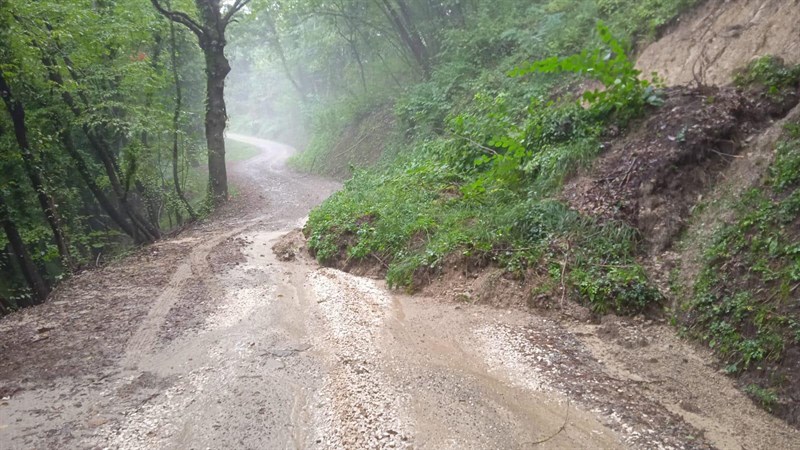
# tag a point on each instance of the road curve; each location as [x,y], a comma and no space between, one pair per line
[243,349]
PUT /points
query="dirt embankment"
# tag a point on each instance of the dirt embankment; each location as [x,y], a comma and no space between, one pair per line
[712,42]
[709,142]
[677,177]
[653,178]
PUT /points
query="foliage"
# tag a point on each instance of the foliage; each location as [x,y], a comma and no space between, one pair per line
[482,154]
[326,65]
[767,398]
[624,93]
[742,302]
[94,82]
[769,72]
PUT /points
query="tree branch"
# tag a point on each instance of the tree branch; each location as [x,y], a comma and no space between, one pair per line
[237,6]
[332,13]
[181,18]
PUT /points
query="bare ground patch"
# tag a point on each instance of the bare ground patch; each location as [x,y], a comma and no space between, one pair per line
[84,326]
[682,378]
[289,245]
[189,312]
[716,39]
[653,178]
[227,254]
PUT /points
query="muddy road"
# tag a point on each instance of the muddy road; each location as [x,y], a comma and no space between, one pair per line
[213,340]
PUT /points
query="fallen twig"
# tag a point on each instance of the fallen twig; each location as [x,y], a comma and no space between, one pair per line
[628,172]
[560,429]
[726,154]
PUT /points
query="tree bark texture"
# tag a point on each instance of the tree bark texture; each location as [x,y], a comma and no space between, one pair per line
[210,32]
[176,124]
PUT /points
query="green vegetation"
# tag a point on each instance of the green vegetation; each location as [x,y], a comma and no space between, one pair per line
[328,65]
[100,134]
[770,73]
[484,156]
[767,398]
[744,305]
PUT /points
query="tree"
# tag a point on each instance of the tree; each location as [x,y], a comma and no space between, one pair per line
[86,97]
[399,16]
[29,272]
[48,205]
[176,117]
[210,32]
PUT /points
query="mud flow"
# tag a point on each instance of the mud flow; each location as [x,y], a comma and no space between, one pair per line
[230,336]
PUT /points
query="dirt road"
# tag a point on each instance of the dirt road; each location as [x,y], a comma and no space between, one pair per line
[212,340]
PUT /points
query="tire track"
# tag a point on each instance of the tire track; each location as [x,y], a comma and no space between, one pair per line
[196,267]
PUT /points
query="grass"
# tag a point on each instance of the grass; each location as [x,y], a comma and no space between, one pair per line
[419,215]
[480,159]
[770,73]
[743,304]
[766,398]
[482,156]
[236,151]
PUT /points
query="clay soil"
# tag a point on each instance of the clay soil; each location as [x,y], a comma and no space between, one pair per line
[653,178]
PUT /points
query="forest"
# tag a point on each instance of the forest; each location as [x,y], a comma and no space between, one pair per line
[469,134]
[114,110]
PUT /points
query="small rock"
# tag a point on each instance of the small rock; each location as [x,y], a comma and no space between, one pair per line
[97,421]
[689,406]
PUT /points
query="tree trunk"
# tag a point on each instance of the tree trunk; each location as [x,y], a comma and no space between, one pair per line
[278,47]
[210,32]
[5,306]
[99,195]
[408,36]
[176,126]
[17,112]
[28,268]
[146,232]
[217,68]
[353,45]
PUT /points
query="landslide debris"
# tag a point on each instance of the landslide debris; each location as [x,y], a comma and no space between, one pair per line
[653,178]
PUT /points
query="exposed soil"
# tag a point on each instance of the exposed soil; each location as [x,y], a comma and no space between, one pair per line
[653,178]
[230,336]
[84,326]
[717,211]
[721,36]
[289,246]
[704,148]
[742,174]
[227,254]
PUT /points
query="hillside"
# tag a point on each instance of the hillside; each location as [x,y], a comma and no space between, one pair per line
[680,207]
[566,224]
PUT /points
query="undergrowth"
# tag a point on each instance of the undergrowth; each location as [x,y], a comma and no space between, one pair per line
[480,186]
[745,301]
[769,73]
[476,60]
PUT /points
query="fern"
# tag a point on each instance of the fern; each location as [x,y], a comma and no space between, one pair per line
[624,93]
